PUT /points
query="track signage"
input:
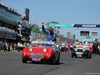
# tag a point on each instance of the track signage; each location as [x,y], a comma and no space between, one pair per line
[76,25]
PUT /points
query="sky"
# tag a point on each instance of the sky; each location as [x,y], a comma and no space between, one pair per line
[61,11]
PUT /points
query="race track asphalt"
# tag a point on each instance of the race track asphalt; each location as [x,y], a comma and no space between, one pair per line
[11,64]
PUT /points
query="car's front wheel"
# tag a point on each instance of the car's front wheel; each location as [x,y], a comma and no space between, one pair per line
[75,56]
[58,60]
[72,55]
[89,56]
[52,61]
[99,53]
[24,60]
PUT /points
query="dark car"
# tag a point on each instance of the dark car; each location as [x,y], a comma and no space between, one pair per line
[99,50]
[64,49]
[81,51]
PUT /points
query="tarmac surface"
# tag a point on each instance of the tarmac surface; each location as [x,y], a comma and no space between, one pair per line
[11,64]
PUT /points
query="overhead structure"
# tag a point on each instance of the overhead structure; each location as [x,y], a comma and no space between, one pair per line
[76,25]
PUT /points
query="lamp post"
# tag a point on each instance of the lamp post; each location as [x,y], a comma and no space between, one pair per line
[20,29]
[19,35]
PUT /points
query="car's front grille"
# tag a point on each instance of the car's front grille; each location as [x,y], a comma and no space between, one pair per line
[36,55]
[79,50]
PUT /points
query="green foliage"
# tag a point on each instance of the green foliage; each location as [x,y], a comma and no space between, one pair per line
[37,31]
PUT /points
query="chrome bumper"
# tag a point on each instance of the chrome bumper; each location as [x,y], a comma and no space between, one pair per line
[79,53]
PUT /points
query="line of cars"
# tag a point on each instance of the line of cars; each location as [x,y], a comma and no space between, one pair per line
[99,50]
[84,51]
[44,51]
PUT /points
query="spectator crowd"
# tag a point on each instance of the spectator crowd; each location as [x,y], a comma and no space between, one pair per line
[94,46]
[7,46]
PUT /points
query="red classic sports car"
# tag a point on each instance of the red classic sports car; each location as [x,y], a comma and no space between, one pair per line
[40,51]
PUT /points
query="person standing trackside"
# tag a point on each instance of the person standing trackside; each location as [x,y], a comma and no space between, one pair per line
[24,45]
[62,47]
[5,46]
[68,50]
[76,42]
[0,45]
[93,47]
[12,46]
[19,46]
[71,47]
[9,47]
[51,36]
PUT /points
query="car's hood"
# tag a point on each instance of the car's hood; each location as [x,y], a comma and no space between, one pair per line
[38,47]
[78,48]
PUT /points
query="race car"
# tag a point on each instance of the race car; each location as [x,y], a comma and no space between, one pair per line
[81,51]
[41,51]
[99,51]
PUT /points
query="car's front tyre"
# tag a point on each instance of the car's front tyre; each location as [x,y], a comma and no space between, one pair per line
[58,60]
[99,53]
[72,55]
[89,56]
[52,61]
[75,56]
[24,60]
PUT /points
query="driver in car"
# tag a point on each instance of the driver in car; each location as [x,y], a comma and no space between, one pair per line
[50,35]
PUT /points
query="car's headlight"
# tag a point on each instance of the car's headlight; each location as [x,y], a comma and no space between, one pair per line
[83,50]
[76,50]
[44,50]
[30,49]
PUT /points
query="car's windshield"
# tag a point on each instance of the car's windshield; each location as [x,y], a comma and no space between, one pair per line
[81,46]
[47,45]
[50,45]
[43,44]
[37,44]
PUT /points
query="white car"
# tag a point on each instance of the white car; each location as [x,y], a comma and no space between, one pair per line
[81,51]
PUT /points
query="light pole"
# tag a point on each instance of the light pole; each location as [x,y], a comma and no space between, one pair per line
[20,29]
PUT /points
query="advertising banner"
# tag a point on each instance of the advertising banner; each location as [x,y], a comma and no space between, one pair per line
[75,25]
[86,25]
[88,39]
[61,25]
